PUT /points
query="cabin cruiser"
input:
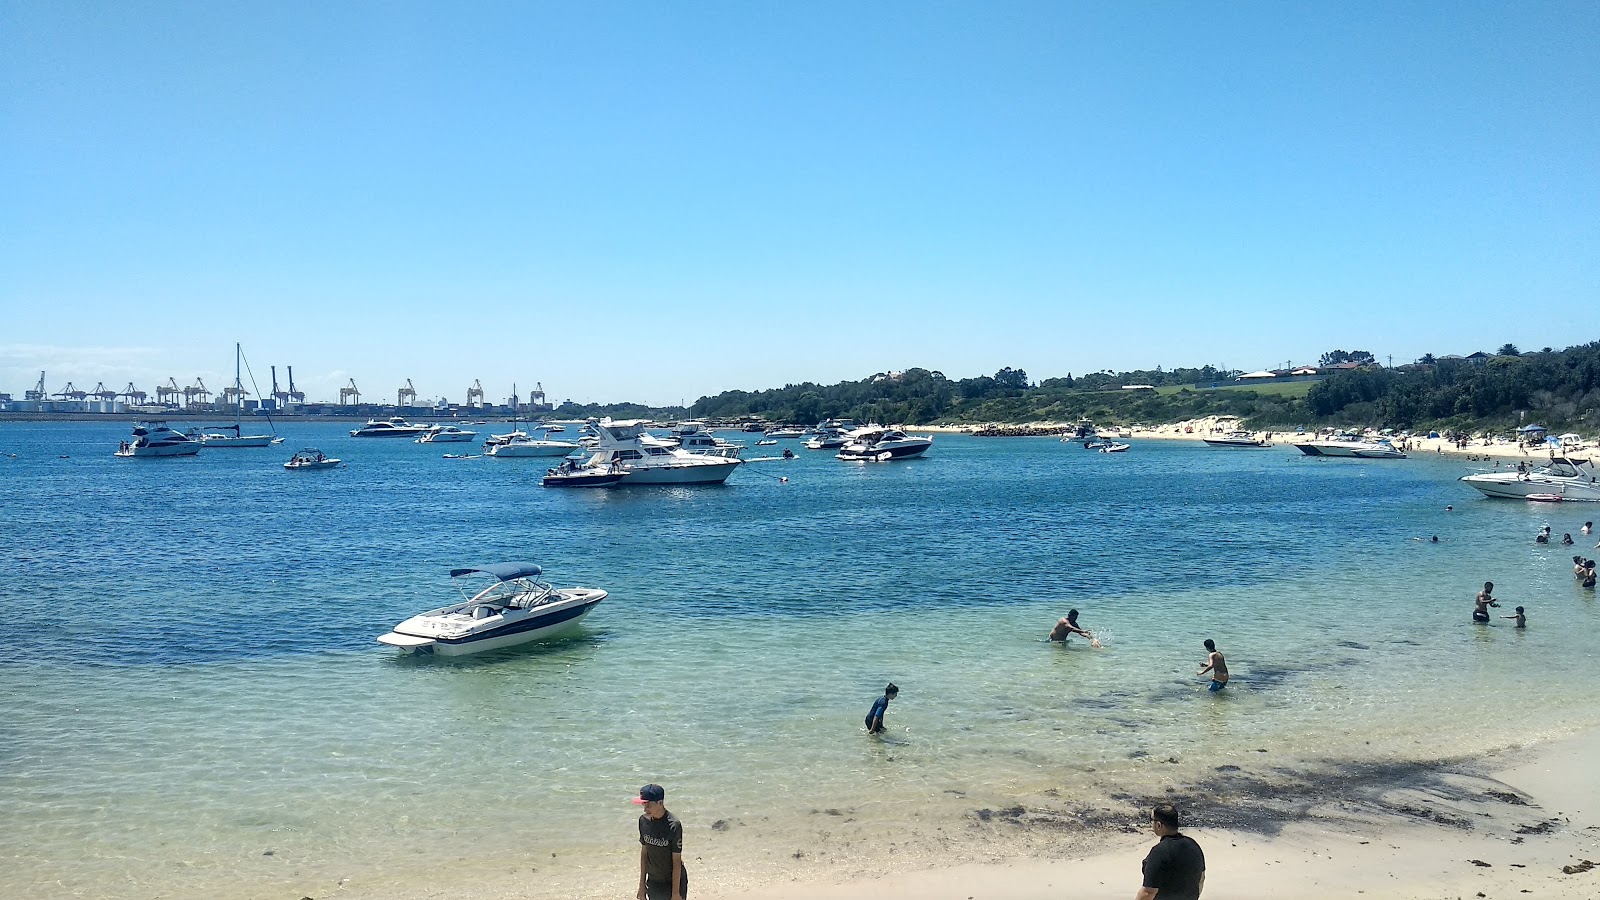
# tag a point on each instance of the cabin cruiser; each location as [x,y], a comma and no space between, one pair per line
[1115,447]
[694,438]
[514,609]
[311,458]
[446,434]
[1350,445]
[156,439]
[1236,439]
[395,427]
[518,445]
[624,447]
[785,432]
[1083,431]
[1564,477]
[875,442]
[828,436]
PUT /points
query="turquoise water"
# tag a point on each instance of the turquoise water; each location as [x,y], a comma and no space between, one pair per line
[196,706]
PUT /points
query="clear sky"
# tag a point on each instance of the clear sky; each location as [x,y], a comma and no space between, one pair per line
[656,201]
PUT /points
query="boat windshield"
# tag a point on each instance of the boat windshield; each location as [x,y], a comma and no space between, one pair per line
[525,593]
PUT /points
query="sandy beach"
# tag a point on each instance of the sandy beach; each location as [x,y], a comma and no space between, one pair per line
[1521,823]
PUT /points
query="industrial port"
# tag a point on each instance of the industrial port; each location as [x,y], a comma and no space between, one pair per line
[170,400]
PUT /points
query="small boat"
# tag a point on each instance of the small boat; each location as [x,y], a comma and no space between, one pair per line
[156,439]
[311,459]
[1545,498]
[766,442]
[1096,445]
[514,609]
[1115,447]
[786,432]
[446,434]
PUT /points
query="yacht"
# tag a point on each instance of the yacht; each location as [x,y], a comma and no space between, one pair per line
[156,439]
[395,427]
[1236,439]
[1350,445]
[875,442]
[220,436]
[786,431]
[518,445]
[624,447]
[1083,431]
[311,458]
[695,438]
[828,436]
[1565,477]
[514,609]
[446,434]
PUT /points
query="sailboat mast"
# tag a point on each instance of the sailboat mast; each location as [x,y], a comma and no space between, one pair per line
[238,389]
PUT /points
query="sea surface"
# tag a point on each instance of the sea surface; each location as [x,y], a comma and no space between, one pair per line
[195,707]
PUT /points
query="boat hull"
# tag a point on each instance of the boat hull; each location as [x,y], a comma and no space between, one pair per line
[908,451]
[188,449]
[712,471]
[1218,442]
[249,440]
[535,449]
[582,480]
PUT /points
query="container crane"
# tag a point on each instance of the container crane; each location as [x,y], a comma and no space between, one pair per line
[350,396]
[167,394]
[38,392]
[475,393]
[536,396]
[71,393]
[407,395]
[298,396]
[196,390]
[100,393]
[133,395]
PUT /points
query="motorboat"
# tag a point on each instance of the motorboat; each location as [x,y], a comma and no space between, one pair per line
[828,436]
[518,445]
[877,443]
[1097,444]
[1350,445]
[786,432]
[446,434]
[1115,447]
[569,475]
[394,427]
[625,447]
[695,438]
[1236,439]
[1563,477]
[767,442]
[156,439]
[514,609]
[1083,431]
[311,458]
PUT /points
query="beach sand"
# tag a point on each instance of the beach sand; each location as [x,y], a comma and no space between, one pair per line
[1504,827]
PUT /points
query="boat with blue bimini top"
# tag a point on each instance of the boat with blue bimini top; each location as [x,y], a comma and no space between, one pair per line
[515,608]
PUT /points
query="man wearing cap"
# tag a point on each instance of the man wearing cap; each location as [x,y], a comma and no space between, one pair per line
[661,872]
[1175,869]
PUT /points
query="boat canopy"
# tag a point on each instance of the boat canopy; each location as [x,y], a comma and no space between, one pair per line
[502,571]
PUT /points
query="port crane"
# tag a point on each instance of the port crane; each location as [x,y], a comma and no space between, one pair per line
[133,395]
[475,393]
[198,389]
[407,395]
[233,396]
[350,396]
[294,395]
[71,393]
[38,392]
[167,394]
[100,393]
[536,396]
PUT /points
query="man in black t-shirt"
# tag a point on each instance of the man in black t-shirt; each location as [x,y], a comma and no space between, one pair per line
[661,872]
[1175,869]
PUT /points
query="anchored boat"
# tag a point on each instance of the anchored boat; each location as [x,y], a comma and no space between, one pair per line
[514,609]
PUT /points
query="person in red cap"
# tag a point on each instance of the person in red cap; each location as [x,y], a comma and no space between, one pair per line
[661,872]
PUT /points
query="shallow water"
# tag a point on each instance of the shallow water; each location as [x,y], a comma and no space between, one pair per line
[192,681]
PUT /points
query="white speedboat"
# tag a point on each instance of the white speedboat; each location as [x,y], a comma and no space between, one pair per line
[311,458]
[156,439]
[877,443]
[514,609]
[624,447]
[395,427]
[446,434]
[518,445]
[1236,439]
[828,436]
[1564,477]
[786,432]
[1115,447]
[1350,445]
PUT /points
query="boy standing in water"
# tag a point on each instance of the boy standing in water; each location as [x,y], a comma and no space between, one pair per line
[1522,620]
[1217,666]
[879,707]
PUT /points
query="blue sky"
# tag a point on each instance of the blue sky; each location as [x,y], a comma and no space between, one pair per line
[656,201]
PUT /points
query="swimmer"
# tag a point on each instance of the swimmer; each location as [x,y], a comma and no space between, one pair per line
[1481,604]
[1578,565]
[1449,509]
[1068,627]
[1587,527]
[1543,537]
[1522,619]
[1566,540]
[1216,665]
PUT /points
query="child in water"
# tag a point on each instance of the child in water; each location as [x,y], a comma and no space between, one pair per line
[1522,620]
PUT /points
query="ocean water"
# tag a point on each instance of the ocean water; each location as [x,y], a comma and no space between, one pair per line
[195,705]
